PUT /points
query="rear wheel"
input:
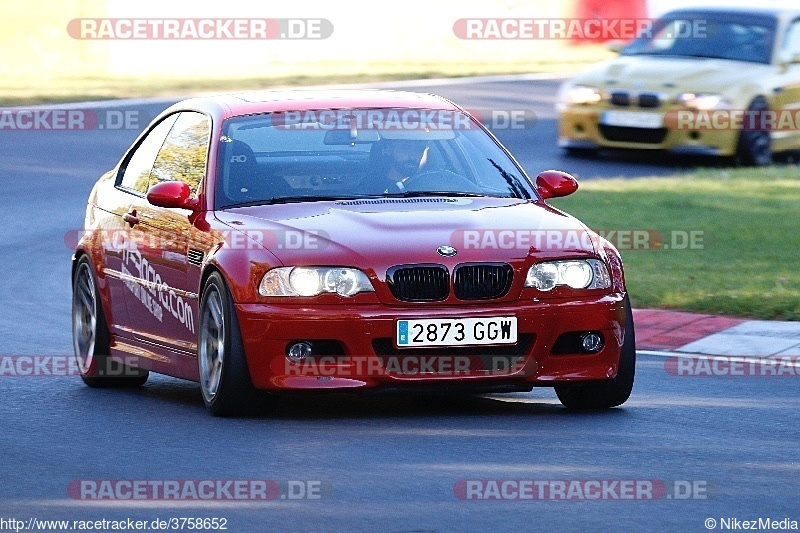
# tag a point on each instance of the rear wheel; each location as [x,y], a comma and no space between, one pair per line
[91,339]
[224,376]
[755,146]
[610,392]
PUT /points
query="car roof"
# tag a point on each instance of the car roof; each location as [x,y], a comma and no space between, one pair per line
[270,101]
[775,12]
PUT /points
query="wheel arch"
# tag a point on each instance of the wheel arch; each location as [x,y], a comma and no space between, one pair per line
[209,269]
[76,257]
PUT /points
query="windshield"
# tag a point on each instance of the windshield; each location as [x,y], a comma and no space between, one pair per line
[709,35]
[356,153]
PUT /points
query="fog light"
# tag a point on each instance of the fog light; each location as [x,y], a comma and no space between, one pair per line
[592,342]
[299,351]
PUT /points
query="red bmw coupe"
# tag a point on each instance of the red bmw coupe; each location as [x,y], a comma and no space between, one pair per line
[270,243]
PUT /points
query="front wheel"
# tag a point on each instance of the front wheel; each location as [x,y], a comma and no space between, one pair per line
[755,145]
[224,376]
[610,392]
[91,338]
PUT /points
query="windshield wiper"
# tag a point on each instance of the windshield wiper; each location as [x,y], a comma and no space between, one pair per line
[417,194]
[670,54]
[513,181]
[300,199]
[295,199]
[291,199]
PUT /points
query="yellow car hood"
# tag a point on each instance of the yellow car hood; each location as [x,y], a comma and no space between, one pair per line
[670,74]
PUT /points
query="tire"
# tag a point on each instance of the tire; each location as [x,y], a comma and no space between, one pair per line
[610,392]
[225,381]
[91,339]
[755,148]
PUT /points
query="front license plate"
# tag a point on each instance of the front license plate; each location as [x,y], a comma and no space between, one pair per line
[457,331]
[632,119]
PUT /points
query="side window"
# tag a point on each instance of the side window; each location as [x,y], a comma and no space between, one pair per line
[791,46]
[183,155]
[136,174]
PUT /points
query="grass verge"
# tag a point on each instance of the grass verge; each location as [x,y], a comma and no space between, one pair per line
[747,264]
[28,89]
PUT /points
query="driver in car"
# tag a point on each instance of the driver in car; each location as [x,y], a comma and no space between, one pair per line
[402,159]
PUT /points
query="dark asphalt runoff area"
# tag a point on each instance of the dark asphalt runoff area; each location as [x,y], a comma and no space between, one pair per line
[701,448]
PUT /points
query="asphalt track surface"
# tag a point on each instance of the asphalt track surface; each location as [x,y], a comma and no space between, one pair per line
[384,463]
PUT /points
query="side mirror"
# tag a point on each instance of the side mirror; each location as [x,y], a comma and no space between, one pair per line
[171,194]
[554,184]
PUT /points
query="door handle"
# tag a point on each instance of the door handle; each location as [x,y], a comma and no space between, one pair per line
[131,218]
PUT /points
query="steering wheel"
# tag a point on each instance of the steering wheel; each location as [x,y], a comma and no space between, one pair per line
[440,180]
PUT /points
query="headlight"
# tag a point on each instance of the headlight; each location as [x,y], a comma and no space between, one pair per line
[578,274]
[704,102]
[311,281]
[580,95]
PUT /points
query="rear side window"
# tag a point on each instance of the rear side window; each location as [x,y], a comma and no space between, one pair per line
[136,173]
[183,155]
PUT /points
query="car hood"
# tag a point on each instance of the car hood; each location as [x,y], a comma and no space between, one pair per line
[673,75]
[379,234]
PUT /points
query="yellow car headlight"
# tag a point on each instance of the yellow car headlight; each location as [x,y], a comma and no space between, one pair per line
[704,101]
[580,95]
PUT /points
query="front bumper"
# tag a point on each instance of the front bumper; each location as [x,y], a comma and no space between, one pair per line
[368,358]
[580,128]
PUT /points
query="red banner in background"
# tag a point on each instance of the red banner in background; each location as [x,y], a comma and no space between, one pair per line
[605,9]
